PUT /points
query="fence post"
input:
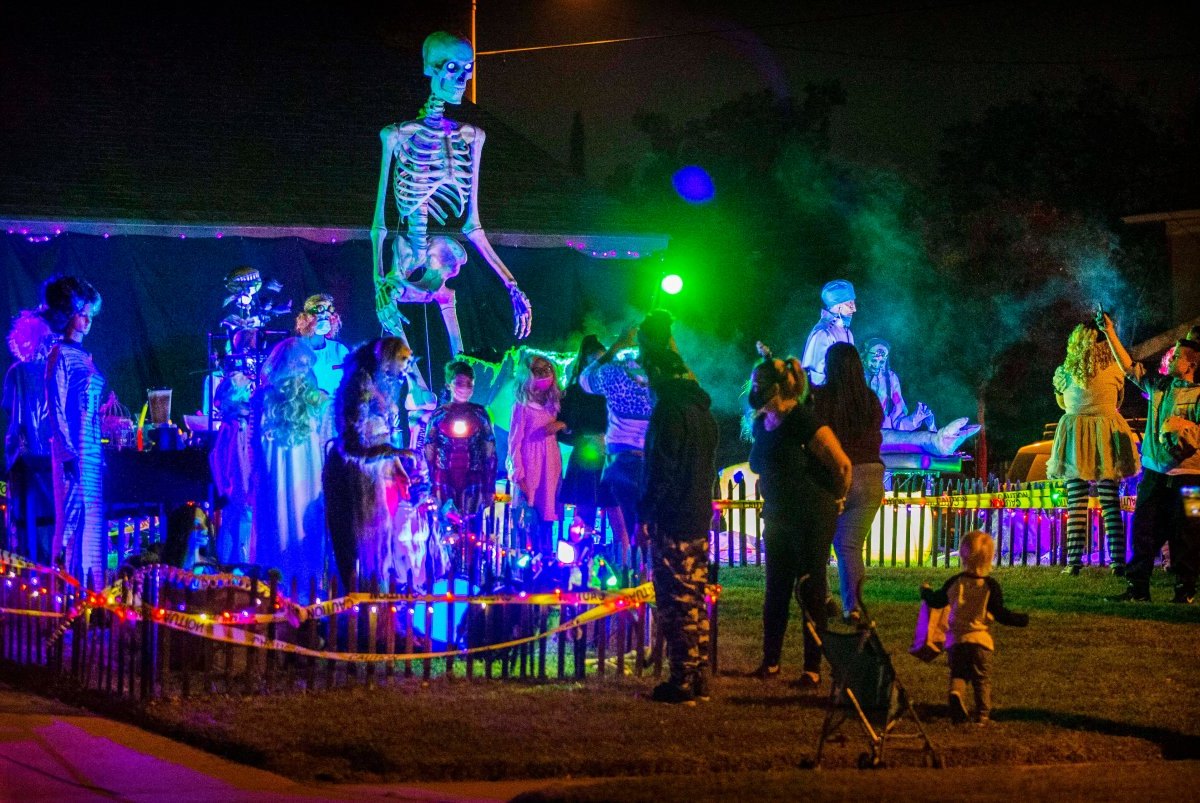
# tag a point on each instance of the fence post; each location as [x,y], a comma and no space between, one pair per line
[149,634]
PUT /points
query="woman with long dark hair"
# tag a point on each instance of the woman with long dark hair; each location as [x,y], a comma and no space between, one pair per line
[804,476]
[847,405]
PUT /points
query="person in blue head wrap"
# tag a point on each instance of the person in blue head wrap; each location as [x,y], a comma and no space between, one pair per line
[837,300]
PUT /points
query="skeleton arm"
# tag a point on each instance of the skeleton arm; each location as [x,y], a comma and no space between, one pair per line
[390,135]
[522,311]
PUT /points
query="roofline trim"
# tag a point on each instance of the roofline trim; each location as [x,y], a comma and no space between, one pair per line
[600,246]
[1160,217]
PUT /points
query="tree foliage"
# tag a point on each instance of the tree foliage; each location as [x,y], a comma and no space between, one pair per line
[975,278]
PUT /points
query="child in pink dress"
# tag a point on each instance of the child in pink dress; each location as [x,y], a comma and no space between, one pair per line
[534,461]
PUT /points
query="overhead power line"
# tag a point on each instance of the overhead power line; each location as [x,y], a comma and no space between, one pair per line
[766,26]
[847,54]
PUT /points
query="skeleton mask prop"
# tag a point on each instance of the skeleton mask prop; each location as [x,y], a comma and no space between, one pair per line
[243,285]
[449,62]
[877,356]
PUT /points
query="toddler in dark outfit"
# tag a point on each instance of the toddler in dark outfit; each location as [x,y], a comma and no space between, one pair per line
[974,598]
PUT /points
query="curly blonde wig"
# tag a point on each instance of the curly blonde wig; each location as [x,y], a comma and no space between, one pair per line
[290,400]
[1087,353]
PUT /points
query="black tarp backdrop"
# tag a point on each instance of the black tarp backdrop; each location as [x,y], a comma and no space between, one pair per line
[162,295]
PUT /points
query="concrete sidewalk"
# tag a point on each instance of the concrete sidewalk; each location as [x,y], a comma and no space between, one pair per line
[52,752]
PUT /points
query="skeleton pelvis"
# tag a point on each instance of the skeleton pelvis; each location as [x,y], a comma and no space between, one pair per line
[442,261]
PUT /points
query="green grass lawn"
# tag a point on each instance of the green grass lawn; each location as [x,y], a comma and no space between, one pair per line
[1087,681]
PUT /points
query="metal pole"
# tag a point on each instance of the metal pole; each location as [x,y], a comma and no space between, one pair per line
[475,72]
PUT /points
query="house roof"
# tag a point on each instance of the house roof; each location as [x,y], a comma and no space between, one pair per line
[197,131]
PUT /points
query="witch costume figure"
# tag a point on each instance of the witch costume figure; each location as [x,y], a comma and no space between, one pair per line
[74,389]
[292,425]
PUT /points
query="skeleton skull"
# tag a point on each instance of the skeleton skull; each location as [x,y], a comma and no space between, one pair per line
[243,282]
[449,62]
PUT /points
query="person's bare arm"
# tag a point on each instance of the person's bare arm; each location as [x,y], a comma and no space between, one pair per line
[1118,348]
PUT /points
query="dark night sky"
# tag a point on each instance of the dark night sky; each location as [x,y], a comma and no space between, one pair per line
[910,69]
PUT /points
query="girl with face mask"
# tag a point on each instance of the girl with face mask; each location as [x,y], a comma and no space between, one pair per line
[534,461]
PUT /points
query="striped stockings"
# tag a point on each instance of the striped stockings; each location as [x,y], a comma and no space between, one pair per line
[1077,520]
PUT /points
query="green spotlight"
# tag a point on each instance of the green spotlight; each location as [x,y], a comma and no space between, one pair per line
[672,283]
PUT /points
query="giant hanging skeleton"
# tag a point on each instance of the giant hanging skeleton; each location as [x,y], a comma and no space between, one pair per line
[436,175]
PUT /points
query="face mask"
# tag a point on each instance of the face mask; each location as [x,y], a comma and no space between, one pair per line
[759,396]
[543,382]
[324,326]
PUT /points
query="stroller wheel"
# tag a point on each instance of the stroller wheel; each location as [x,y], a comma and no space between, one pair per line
[866,761]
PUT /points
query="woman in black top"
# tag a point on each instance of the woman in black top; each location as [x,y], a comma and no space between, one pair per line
[586,417]
[803,477]
[849,407]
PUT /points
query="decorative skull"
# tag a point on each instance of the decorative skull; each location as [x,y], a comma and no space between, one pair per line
[449,63]
[244,283]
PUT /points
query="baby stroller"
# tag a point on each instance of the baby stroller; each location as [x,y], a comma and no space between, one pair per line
[865,687]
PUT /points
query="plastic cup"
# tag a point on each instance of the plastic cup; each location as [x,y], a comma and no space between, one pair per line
[160,405]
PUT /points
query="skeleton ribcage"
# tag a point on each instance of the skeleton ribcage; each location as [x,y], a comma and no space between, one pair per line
[433,174]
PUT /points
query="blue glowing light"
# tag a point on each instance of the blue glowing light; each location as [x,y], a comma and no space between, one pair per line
[442,611]
[693,184]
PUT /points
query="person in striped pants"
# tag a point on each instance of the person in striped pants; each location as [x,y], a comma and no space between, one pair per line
[1093,444]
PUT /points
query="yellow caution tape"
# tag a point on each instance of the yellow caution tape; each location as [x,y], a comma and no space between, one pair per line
[211,628]
[23,612]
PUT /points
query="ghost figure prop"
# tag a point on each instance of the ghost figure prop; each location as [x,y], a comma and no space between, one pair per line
[905,432]
[432,164]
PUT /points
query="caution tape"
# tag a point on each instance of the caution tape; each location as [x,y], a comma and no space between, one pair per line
[290,611]
[1051,497]
[14,561]
[24,612]
[224,627]
[208,627]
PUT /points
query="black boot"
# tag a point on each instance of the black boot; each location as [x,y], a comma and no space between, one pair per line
[1184,594]
[1132,593]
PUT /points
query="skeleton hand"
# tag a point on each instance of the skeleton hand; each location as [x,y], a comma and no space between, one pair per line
[522,312]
